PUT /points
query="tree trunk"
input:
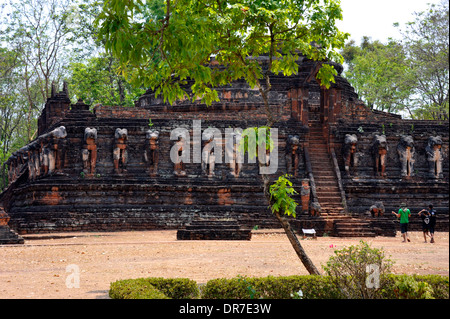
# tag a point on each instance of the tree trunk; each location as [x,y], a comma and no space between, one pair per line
[266,179]
[290,234]
[297,246]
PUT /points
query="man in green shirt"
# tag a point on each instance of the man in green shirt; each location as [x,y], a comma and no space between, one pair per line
[403,214]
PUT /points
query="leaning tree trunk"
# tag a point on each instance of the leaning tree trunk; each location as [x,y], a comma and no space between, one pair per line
[290,233]
[297,246]
[266,179]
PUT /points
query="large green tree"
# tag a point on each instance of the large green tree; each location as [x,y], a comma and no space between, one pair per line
[380,74]
[164,52]
[39,32]
[426,43]
[13,108]
[97,81]
[408,74]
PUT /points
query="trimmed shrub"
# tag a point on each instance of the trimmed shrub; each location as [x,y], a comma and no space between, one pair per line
[134,289]
[311,287]
[406,287]
[439,286]
[283,287]
[154,288]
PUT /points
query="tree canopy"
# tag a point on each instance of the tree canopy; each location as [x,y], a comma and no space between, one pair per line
[407,74]
[163,52]
[380,74]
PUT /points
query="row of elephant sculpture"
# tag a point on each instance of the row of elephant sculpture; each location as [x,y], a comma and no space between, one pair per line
[120,154]
[41,157]
[48,152]
[151,153]
[405,150]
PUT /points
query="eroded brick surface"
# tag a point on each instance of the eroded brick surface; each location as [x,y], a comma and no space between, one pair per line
[113,183]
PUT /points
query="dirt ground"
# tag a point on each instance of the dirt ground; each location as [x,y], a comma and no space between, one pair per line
[48,265]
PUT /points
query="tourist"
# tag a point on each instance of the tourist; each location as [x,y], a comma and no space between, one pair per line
[404,214]
[432,213]
[425,223]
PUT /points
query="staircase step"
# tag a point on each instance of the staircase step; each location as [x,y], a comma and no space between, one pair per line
[321,161]
[317,168]
[356,234]
[324,184]
[326,207]
[321,189]
[331,207]
[322,193]
[313,153]
[319,155]
[351,224]
[329,200]
[324,173]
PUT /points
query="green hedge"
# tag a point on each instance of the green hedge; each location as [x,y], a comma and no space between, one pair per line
[154,288]
[311,287]
[439,284]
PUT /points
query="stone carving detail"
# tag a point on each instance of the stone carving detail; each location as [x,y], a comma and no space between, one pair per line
[151,155]
[315,209]
[305,194]
[32,154]
[29,151]
[46,158]
[379,152]
[292,154]
[41,157]
[11,163]
[56,149]
[178,155]
[434,157]
[208,157]
[16,164]
[406,150]
[89,152]
[120,155]
[349,152]
[377,209]
[235,157]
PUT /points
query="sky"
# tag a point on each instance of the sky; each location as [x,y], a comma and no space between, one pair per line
[375,18]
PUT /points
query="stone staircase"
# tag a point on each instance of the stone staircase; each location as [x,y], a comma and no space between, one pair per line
[327,189]
[352,227]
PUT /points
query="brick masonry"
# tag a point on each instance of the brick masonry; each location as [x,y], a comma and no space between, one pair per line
[72,195]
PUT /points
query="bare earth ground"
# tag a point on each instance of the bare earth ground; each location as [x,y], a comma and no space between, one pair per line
[39,268]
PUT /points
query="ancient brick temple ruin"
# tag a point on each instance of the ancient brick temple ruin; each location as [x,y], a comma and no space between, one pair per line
[110,167]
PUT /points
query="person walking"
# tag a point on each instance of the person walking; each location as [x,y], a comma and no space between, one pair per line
[425,216]
[403,213]
[432,224]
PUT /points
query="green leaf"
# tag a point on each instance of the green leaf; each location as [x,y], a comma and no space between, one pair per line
[280,198]
[231,31]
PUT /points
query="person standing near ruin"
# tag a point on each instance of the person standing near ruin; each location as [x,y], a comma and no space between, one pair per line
[425,216]
[431,214]
[403,213]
